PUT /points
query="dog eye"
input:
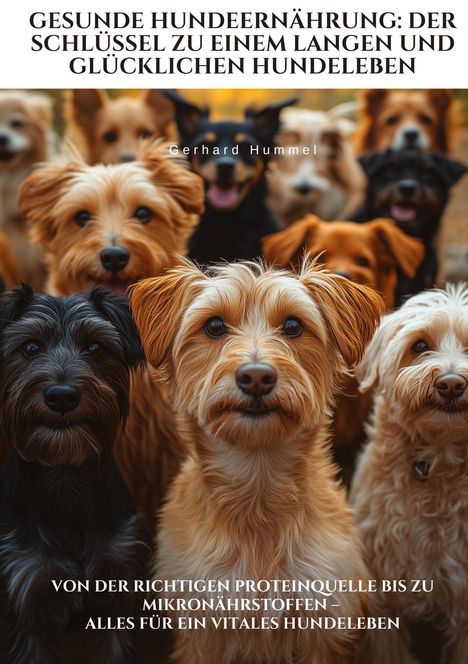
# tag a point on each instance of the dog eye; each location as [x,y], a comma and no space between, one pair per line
[110,136]
[96,349]
[31,348]
[82,217]
[292,327]
[17,124]
[363,261]
[421,346]
[215,327]
[143,214]
[392,120]
[425,119]
[144,133]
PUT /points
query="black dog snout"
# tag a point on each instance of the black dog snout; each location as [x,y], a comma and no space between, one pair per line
[114,259]
[225,168]
[411,136]
[124,158]
[62,398]
[4,140]
[303,188]
[451,386]
[256,378]
[407,187]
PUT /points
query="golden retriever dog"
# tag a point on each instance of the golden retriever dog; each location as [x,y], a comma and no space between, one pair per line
[327,180]
[411,119]
[252,357]
[110,130]
[410,491]
[25,139]
[110,226]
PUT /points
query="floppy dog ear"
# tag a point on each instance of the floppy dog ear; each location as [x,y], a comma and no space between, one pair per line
[351,312]
[371,162]
[407,251]
[162,108]
[158,304]
[37,196]
[280,248]
[450,169]
[267,119]
[114,307]
[13,303]
[187,115]
[368,372]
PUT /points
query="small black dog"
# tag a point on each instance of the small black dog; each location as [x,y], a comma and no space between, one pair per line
[232,158]
[411,187]
[65,511]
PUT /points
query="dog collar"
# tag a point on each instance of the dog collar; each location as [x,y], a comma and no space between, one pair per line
[421,469]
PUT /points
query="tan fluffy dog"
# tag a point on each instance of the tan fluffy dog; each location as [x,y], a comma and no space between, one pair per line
[252,357]
[110,226]
[418,119]
[410,492]
[110,130]
[25,139]
[328,181]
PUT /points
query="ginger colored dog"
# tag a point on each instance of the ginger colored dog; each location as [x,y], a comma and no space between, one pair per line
[9,272]
[25,139]
[252,357]
[329,181]
[369,254]
[111,226]
[110,130]
[410,491]
[411,119]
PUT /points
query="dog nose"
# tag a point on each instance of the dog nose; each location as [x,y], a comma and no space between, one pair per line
[256,378]
[303,188]
[346,275]
[411,136]
[62,398]
[3,140]
[114,259]
[451,386]
[225,167]
[126,157]
[407,187]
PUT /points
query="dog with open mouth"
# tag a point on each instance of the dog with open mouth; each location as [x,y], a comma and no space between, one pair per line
[252,358]
[232,158]
[410,490]
[412,188]
[111,225]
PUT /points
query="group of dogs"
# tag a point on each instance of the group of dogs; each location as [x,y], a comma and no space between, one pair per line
[194,339]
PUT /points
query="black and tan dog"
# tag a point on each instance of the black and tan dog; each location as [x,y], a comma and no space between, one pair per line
[411,187]
[65,511]
[232,157]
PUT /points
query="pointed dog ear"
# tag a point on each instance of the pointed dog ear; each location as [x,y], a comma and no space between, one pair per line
[82,107]
[13,303]
[351,312]
[373,161]
[280,248]
[114,307]
[158,305]
[267,119]
[162,107]
[187,115]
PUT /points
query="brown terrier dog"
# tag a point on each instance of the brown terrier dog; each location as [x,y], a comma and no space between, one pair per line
[368,254]
[252,357]
[110,130]
[111,226]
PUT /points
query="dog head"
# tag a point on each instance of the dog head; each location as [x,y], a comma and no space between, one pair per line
[252,354]
[229,155]
[321,181]
[25,122]
[110,130]
[406,119]
[65,373]
[411,187]
[111,225]
[418,358]
[367,254]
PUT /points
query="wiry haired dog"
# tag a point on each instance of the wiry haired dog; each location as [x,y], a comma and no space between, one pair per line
[65,511]
[25,139]
[111,226]
[252,357]
[410,492]
[110,130]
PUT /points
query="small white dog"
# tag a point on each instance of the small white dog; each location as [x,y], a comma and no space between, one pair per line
[410,492]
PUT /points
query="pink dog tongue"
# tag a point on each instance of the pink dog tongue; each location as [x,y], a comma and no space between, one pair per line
[402,213]
[223,198]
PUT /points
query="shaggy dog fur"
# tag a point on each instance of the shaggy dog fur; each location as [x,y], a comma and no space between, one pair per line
[329,182]
[111,226]
[414,119]
[252,357]
[110,130]
[410,491]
